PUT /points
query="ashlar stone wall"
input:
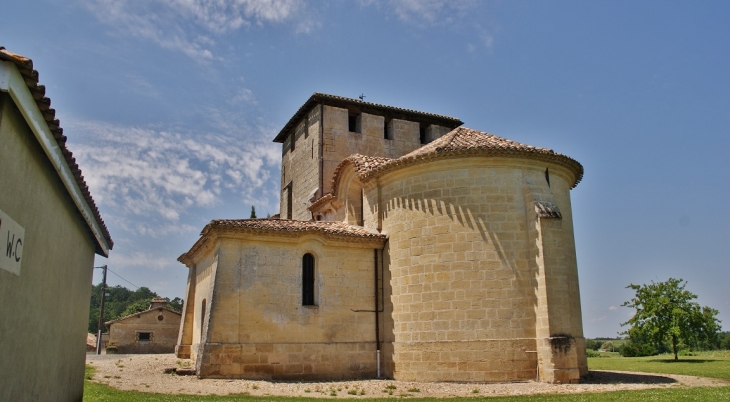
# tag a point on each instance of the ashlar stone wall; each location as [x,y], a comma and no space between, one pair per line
[470,297]
[257,327]
[311,162]
[163,325]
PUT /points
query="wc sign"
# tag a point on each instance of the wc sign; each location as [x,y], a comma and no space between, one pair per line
[12,237]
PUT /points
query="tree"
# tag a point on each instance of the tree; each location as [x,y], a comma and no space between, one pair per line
[176,304]
[665,311]
[253,212]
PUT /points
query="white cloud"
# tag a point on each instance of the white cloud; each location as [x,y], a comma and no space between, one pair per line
[149,178]
[612,308]
[172,24]
[141,259]
[244,95]
[430,11]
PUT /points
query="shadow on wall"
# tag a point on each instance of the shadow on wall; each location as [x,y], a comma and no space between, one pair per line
[456,213]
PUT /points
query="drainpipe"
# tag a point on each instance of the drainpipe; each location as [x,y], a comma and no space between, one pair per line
[377,316]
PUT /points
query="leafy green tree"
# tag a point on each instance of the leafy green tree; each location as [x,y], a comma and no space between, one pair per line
[136,307]
[665,311]
[121,302]
[176,304]
[253,212]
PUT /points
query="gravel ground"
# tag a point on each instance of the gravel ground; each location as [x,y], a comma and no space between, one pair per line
[145,373]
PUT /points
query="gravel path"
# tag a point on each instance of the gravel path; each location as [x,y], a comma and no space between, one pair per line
[145,373]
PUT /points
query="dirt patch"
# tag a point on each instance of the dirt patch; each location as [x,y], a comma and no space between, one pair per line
[146,373]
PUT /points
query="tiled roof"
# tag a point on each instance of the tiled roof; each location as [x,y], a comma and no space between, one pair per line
[141,312]
[283,227]
[25,67]
[368,107]
[362,163]
[463,138]
[291,226]
[464,141]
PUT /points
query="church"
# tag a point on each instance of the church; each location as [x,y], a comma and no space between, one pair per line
[407,247]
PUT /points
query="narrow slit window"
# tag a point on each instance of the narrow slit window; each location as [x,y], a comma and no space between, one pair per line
[308,280]
[422,134]
[547,176]
[202,318]
[386,130]
[352,123]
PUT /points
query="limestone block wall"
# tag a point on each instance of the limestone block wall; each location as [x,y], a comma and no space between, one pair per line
[201,298]
[465,293]
[258,327]
[559,329]
[300,167]
[163,326]
[314,158]
[44,310]
[339,142]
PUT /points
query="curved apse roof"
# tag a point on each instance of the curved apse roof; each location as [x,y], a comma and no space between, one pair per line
[461,141]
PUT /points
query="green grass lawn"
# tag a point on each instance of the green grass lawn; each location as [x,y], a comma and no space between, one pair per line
[703,365]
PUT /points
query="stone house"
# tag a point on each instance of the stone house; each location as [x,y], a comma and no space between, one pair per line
[50,230]
[410,247]
[154,330]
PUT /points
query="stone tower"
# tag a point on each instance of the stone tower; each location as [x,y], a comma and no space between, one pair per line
[327,129]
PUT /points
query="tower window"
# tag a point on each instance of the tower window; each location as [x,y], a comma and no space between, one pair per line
[387,134]
[422,134]
[308,280]
[202,318]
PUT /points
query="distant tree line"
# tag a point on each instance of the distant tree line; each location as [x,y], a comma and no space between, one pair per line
[637,346]
[121,302]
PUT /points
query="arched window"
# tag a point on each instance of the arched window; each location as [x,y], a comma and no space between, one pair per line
[308,280]
[202,319]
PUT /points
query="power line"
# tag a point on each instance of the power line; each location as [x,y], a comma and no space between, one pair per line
[123,278]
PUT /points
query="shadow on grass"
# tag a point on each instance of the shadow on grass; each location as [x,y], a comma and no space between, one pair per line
[612,377]
[681,361]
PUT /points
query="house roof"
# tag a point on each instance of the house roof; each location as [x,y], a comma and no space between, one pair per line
[283,227]
[366,107]
[141,312]
[293,226]
[37,91]
[464,141]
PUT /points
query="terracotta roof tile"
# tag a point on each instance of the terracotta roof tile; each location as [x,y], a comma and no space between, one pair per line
[362,163]
[464,141]
[281,227]
[107,323]
[341,101]
[286,225]
[462,138]
[25,67]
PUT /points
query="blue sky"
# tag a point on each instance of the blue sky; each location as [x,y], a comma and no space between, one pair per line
[171,106]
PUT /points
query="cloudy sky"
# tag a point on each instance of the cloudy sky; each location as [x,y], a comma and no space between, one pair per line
[171,107]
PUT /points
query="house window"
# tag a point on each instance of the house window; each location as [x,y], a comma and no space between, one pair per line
[354,123]
[308,280]
[144,336]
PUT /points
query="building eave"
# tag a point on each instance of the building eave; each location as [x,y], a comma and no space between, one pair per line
[13,83]
[366,107]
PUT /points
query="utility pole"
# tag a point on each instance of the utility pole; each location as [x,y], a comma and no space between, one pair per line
[101,312]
